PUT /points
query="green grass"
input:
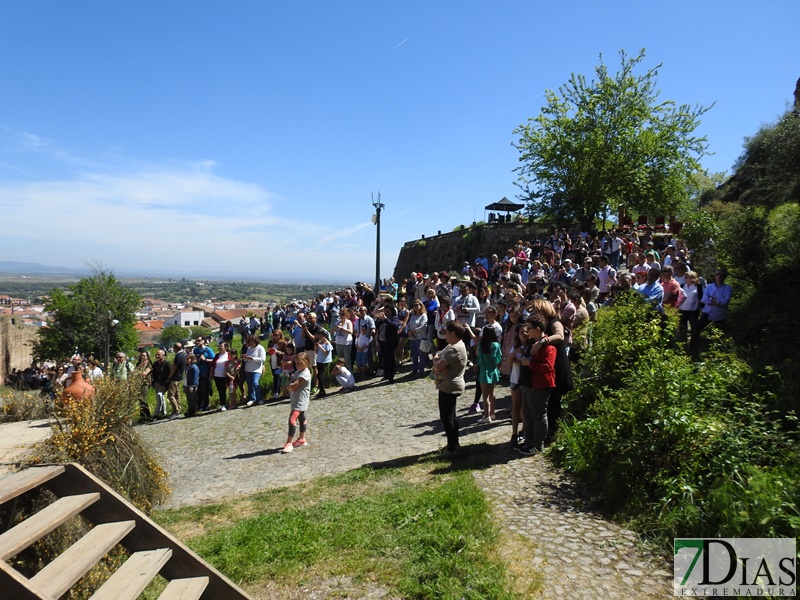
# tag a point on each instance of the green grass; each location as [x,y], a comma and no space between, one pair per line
[420,534]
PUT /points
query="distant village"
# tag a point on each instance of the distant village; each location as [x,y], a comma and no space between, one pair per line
[20,319]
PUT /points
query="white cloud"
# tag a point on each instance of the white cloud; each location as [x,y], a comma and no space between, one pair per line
[178,217]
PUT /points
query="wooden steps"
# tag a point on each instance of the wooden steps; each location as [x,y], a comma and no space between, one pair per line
[115,522]
[46,520]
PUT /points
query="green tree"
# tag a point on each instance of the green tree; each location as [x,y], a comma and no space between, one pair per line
[92,316]
[174,333]
[768,172]
[606,142]
[200,331]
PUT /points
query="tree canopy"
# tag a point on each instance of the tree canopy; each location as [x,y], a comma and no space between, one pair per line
[610,141]
[94,312]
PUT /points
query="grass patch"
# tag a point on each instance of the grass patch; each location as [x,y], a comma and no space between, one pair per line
[416,532]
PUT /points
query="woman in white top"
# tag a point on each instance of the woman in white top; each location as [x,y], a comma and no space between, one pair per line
[690,307]
[253,367]
[343,338]
[444,315]
[417,325]
[220,374]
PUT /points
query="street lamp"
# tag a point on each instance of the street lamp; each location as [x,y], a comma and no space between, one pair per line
[376,218]
[110,322]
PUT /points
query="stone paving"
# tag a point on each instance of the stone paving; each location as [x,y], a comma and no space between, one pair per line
[579,553]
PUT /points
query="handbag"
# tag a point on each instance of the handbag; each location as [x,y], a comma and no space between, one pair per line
[425,347]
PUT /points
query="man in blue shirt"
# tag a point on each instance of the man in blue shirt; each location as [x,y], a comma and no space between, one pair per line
[652,290]
[716,297]
[204,356]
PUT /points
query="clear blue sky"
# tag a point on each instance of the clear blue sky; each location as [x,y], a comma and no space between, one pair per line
[248,136]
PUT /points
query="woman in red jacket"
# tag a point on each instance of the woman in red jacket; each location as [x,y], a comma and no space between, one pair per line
[542,365]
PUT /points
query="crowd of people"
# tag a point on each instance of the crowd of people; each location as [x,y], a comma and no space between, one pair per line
[507,320]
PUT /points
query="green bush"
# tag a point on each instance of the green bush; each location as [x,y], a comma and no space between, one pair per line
[681,446]
[616,342]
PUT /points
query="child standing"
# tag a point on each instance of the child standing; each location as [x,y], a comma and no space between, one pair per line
[275,349]
[300,389]
[362,351]
[323,347]
[489,358]
[232,373]
[287,368]
[542,365]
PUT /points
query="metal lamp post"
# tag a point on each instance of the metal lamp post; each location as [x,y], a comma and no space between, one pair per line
[110,322]
[376,218]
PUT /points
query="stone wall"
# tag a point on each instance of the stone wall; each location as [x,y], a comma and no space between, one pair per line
[16,345]
[448,251]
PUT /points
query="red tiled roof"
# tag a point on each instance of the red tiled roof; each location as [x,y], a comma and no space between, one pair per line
[148,325]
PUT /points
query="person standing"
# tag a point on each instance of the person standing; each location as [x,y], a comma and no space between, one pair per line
[716,297]
[690,308]
[300,394]
[192,381]
[417,330]
[204,356]
[387,341]
[219,373]
[144,369]
[541,363]
[175,377]
[489,358]
[160,374]
[324,351]
[448,371]
[121,368]
[254,361]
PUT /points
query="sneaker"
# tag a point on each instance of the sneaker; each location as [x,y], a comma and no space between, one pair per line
[275,396]
[175,415]
[473,409]
[222,409]
[249,403]
[515,443]
[322,394]
[260,402]
[527,450]
[484,420]
[300,443]
[287,448]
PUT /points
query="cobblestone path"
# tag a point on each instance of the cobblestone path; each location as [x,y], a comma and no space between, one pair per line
[216,456]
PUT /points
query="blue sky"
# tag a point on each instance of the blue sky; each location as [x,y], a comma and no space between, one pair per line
[248,136]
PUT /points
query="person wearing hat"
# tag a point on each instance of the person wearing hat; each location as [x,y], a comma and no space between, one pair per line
[565,273]
[586,270]
[419,291]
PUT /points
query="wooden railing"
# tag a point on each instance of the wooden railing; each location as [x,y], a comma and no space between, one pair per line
[151,550]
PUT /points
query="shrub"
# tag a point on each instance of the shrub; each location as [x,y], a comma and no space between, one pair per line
[682,447]
[616,343]
[97,434]
[16,405]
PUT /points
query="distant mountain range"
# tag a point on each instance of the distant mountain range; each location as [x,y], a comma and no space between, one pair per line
[10,267]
